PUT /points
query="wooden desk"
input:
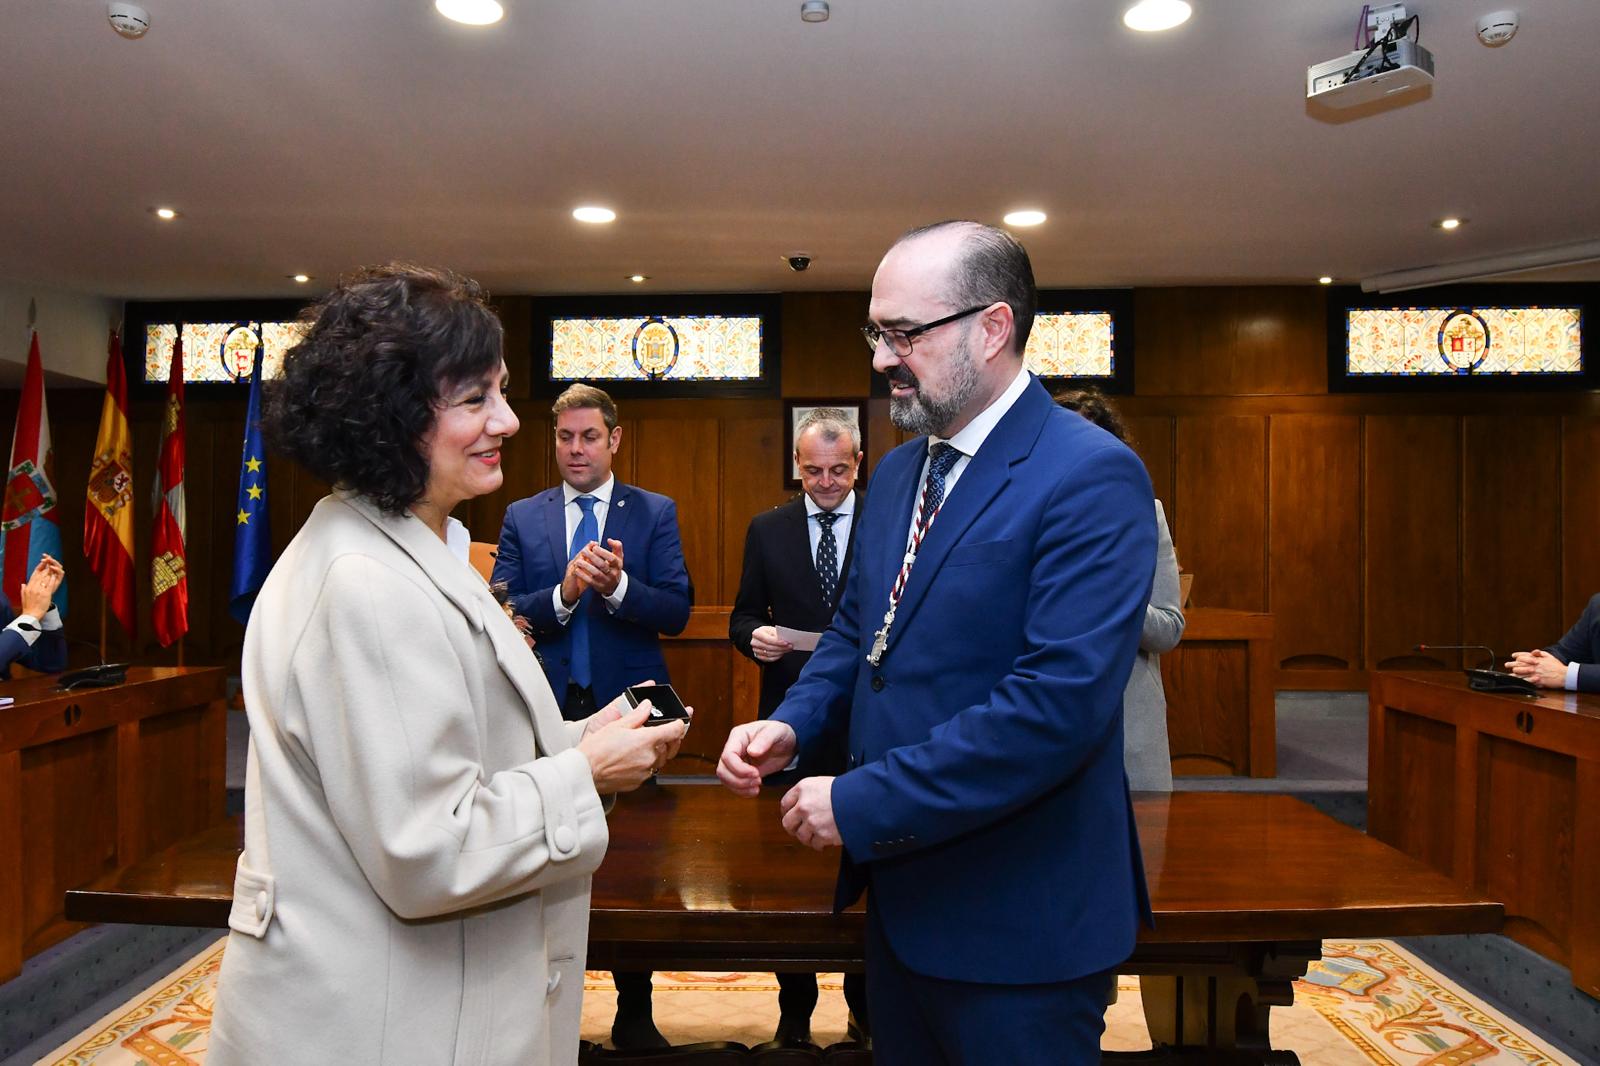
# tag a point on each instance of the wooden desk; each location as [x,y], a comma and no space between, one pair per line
[94,780]
[1503,794]
[1218,681]
[1244,887]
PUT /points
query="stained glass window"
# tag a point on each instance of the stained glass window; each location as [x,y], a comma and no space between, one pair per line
[1461,341]
[656,348]
[1071,344]
[218,351]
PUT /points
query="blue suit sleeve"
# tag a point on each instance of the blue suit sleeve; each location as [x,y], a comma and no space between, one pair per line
[533,603]
[1579,643]
[661,605]
[1085,594]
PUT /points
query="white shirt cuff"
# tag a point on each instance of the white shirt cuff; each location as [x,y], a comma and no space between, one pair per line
[51,619]
[563,615]
[1572,676]
[27,627]
[614,601]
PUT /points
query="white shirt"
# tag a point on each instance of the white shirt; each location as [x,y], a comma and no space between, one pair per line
[841,526]
[30,632]
[1572,674]
[458,540]
[574,514]
[971,438]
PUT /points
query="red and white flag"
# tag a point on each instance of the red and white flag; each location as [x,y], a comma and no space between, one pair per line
[169,578]
[28,516]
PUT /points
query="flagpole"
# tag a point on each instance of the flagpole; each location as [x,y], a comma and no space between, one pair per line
[103,630]
[180,651]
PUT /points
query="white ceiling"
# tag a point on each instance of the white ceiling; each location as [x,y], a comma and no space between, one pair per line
[317,135]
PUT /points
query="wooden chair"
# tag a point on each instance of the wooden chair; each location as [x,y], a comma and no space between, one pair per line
[482,555]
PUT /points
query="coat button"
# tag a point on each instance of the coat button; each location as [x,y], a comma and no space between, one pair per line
[261,904]
[877,684]
[566,839]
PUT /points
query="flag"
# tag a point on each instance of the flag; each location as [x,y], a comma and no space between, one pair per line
[252,530]
[169,579]
[28,517]
[108,518]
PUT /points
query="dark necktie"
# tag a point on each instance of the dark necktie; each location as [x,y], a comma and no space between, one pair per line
[588,530]
[942,458]
[828,557]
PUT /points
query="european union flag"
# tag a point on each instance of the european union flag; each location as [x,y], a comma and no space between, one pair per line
[252,532]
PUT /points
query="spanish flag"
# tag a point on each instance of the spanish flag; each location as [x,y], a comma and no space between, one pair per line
[169,577]
[108,519]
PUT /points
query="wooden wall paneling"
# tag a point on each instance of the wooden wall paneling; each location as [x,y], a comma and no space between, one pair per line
[1211,732]
[624,464]
[1219,519]
[179,770]
[1229,341]
[752,482]
[702,673]
[10,864]
[1412,592]
[1580,515]
[1525,845]
[681,458]
[1511,551]
[1152,440]
[823,353]
[1419,760]
[883,436]
[1314,535]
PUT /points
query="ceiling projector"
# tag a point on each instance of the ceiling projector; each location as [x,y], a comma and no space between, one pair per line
[1388,68]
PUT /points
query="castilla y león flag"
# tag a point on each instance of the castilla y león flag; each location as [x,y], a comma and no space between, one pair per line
[108,518]
[28,517]
[169,578]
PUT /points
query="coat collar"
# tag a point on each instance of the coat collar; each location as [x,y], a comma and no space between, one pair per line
[464,587]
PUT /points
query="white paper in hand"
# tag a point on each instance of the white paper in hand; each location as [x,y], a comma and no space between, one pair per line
[803,640]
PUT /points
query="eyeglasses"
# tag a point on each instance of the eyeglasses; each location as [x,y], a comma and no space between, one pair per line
[899,340]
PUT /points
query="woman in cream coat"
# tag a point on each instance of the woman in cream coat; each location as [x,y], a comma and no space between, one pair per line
[1146,753]
[421,825]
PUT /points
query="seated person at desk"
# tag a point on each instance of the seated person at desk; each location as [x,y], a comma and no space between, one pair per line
[33,637]
[1572,663]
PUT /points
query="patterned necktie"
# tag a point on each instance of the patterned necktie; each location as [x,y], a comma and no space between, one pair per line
[588,530]
[942,459]
[828,557]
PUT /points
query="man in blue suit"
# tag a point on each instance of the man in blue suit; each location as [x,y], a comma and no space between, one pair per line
[34,637]
[976,665]
[1572,663]
[597,569]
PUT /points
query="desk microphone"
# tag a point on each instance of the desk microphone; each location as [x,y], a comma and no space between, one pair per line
[1490,679]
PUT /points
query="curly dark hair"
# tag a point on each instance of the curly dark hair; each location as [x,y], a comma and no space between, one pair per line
[1097,407]
[363,387]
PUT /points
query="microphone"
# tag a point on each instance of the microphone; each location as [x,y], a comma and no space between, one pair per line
[1488,679]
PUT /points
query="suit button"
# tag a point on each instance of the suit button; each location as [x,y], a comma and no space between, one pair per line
[566,839]
[877,684]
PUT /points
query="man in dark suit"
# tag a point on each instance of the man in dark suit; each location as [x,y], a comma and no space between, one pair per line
[795,559]
[597,607]
[1572,663]
[33,637]
[976,665]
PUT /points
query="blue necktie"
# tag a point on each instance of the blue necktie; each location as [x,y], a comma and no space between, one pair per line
[828,556]
[588,530]
[942,458]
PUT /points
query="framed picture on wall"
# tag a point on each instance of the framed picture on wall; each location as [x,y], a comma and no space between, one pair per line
[795,412]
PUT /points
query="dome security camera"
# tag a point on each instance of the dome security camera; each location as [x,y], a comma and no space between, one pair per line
[129,20]
[798,261]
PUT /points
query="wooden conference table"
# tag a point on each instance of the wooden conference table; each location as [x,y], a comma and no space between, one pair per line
[1244,887]
[1501,792]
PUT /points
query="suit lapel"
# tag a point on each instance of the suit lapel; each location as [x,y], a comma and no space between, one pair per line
[553,511]
[850,542]
[900,488]
[465,588]
[797,538]
[985,477]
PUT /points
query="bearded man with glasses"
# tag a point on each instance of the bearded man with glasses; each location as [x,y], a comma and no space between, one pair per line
[976,664]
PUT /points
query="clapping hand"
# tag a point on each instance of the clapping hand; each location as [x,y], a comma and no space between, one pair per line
[38,590]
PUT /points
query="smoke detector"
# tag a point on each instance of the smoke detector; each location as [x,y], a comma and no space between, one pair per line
[129,20]
[1497,27]
[814,11]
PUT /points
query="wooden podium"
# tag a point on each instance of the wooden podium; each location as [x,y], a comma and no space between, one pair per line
[97,779]
[1503,794]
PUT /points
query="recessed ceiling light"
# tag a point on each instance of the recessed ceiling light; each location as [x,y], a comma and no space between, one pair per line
[1324,280]
[165,214]
[594,214]
[471,12]
[1450,223]
[638,278]
[300,278]
[1151,16]
[1024,218]
[814,11]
